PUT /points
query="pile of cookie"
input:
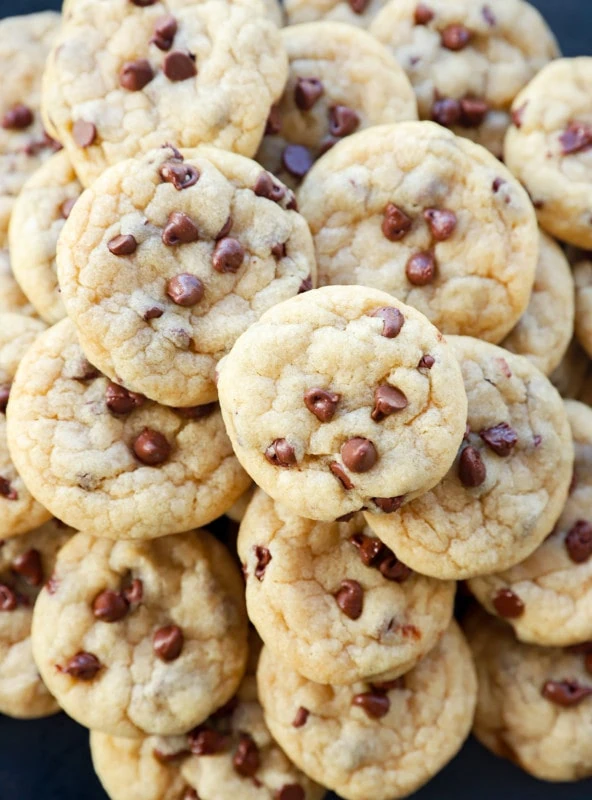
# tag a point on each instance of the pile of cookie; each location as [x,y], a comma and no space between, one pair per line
[231,253]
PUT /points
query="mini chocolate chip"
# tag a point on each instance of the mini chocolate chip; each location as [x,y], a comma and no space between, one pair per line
[273,126]
[446,111]
[370,549]
[123,245]
[168,642]
[280,453]
[151,447]
[341,475]
[423,14]
[67,206]
[358,6]
[578,542]
[197,412]
[109,606]
[224,230]
[134,593]
[426,362]
[392,320]
[290,791]
[359,454]
[306,92]
[263,557]
[455,37]
[488,16]
[228,256]
[153,313]
[375,704]
[8,599]
[179,66]
[84,133]
[297,160]
[134,75]
[165,31]
[471,469]
[17,118]
[301,717]
[207,741]
[387,400]
[388,505]
[246,759]
[441,221]
[577,138]
[4,396]
[421,269]
[120,400]
[6,489]
[343,120]
[321,403]
[144,3]
[507,604]
[350,599]
[501,438]
[185,290]
[83,666]
[394,570]
[305,286]
[278,250]
[266,187]
[497,184]
[565,693]
[473,112]
[182,176]
[29,566]
[180,229]
[395,223]
[389,686]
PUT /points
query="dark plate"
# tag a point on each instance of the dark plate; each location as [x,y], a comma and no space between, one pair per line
[49,759]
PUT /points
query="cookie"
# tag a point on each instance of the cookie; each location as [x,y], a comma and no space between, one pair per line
[508,485]
[38,217]
[343,398]
[19,510]
[548,148]
[126,77]
[374,741]
[25,563]
[534,703]
[354,12]
[124,650]
[167,260]
[583,324]
[467,60]
[327,97]
[109,461]
[544,331]
[12,298]
[548,597]
[332,599]
[429,217]
[569,377]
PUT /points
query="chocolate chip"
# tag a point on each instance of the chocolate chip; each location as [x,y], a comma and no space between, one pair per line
[6,489]
[306,92]
[488,16]
[321,403]
[225,230]
[84,133]
[83,666]
[273,126]
[4,396]
[507,604]
[266,187]
[350,599]
[17,118]
[343,120]
[182,176]
[394,570]
[341,474]
[578,542]
[228,256]
[395,223]
[370,549]
[179,66]
[207,741]
[297,159]
[389,686]
[358,6]
[501,438]
[290,791]
[301,717]
[577,138]
[29,566]
[8,599]
[280,453]
[423,14]
[134,75]
[151,447]
[392,319]
[246,759]
[134,593]
[164,32]
[109,606]
[565,693]
[471,469]
[278,250]
[168,642]
[441,223]
[305,286]
[517,115]
[120,400]
[180,229]
[426,362]
[359,454]
[375,704]
[473,112]
[388,504]
[144,3]
[67,206]
[387,400]
[123,245]
[81,370]
[446,111]
[455,37]
[421,269]
[185,290]
[153,313]
[497,184]
[197,412]
[263,557]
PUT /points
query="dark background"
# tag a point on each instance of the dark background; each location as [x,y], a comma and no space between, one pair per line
[49,759]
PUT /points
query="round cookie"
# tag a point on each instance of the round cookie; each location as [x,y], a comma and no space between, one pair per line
[467,60]
[548,597]
[333,601]
[354,12]
[429,217]
[583,280]
[108,461]
[12,298]
[19,510]
[548,148]
[383,741]
[327,95]
[38,217]
[25,563]
[126,77]
[507,487]
[124,650]
[166,260]
[343,398]
[533,703]
[544,331]
[569,377]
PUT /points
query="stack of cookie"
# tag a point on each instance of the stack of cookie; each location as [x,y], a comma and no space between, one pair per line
[235,255]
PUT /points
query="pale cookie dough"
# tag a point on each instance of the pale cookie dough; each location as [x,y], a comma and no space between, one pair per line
[12,298]
[165,261]
[151,641]
[549,148]
[379,742]
[534,703]
[333,601]
[429,217]
[343,398]
[508,485]
[544,331]
[24,145]
[38,217]
[569,377]
[583,280]
[328,95]
[127,77]
[108,461]
[25,564]
[548,597]
[19,510]
[467,60]
[354,12]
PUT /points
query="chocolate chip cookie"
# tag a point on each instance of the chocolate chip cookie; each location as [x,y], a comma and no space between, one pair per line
[583,280]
